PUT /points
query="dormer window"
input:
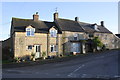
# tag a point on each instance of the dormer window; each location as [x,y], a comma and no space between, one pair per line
[96,27]
[53,33]
[30,31]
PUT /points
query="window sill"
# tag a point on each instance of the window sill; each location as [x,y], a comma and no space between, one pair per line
[53,51]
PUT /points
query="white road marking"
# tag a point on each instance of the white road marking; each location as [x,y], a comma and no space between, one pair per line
[117,76]
[83,75]
[57,74]
[72,73]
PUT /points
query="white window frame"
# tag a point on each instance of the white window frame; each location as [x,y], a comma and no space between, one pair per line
[55,48]
[96,27]
[31,31]
[53,33]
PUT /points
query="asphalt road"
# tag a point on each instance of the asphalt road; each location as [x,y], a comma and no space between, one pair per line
[104,65]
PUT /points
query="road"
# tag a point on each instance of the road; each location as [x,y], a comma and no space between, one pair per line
[100,65]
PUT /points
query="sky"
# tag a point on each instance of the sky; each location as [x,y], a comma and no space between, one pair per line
[90,12]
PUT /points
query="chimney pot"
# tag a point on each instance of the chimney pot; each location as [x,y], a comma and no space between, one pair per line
[76,18]
[102,23]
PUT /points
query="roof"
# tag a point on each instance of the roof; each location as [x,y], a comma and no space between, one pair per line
[103,29]
[87,27]
[90,28]
[60,24]
[52,24]
[118,35]
[68,25]
[20,25]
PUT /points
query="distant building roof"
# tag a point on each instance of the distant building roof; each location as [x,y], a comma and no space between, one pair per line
[90,28]
[118,35]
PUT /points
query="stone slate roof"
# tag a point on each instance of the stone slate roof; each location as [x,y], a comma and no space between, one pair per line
[68,25]
[103,29]
[87,27]
[51,24]
[90,28]
[19,25]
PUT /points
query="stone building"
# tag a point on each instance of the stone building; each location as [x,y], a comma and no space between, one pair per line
[62,36]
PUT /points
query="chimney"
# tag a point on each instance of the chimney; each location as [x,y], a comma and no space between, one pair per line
[55,16]
[36,17]
[76,18]
[102,23]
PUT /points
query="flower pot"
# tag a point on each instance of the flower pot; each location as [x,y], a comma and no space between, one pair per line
[44,58]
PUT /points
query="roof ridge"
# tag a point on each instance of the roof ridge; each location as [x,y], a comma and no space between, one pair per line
[20,18]
[66,19]
[76,21]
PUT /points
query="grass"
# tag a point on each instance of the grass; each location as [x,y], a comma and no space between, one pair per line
[6,61]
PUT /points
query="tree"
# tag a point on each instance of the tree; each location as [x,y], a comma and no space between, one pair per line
[97,42]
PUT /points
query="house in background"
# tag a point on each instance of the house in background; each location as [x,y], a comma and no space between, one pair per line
[62,36]
[117,39]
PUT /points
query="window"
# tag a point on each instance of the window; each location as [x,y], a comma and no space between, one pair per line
[91,35]
[96,27]
[75,47]
[53,33]
[37,48]
[76,37]
[29,47]
[30,31]
[53,48]
[105,37]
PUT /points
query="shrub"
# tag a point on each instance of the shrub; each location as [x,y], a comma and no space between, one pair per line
[17,59]
[44,55]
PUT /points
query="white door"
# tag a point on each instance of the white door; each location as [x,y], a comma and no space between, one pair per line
[37,51]
[75,47]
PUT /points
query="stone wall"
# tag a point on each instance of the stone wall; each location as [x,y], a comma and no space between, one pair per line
[67,36]
[108,39]
[22,41]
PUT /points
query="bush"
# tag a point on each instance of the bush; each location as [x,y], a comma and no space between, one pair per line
[17,59]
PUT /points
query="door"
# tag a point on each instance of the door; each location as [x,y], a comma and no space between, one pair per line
[37,51]
[75,47]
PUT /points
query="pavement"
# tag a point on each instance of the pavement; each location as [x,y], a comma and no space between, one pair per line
[99,65]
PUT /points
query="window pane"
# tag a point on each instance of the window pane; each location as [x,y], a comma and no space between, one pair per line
[56,48]
[37,48]
[75,38]
[28,33]
[30,47]
[53,33]
[32,33]
[28,29]
[52,48]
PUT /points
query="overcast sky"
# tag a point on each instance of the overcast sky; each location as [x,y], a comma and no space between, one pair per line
[90,12]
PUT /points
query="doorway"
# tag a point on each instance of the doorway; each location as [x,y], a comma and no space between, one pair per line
[37,51]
